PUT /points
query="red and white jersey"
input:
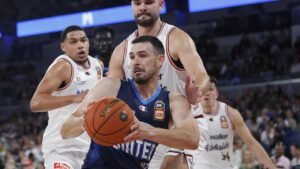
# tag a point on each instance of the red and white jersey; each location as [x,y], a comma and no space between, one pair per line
[82,78]
[218,151]
[170,76]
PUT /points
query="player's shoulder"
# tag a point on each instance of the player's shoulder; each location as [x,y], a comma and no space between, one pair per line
[231,109]
[62,64]
[179,34]
[120,47]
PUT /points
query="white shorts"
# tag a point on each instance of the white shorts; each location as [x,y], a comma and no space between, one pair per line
[158,157]
[64,160]
[203,128]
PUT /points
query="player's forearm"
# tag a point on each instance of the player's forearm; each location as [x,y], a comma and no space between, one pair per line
[73,127]
[45,102]
[177,138]
[202,80]
[261,155]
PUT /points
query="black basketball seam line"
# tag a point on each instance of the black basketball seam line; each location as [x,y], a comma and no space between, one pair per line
[117,130]
[98,134]
[94,116]
[96,131]
[93,122]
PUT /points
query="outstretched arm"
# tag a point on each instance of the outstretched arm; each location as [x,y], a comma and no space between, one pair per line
[183,48]
[43,100]
[185,135]
[242,130]
[73,126]
[116,62]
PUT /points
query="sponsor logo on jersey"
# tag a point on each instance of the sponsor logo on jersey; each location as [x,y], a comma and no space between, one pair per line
[159,110]
[140,149]
[58,165]
[224,123]
[143,108]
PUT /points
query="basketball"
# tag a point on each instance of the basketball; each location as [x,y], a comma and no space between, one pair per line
[108,121]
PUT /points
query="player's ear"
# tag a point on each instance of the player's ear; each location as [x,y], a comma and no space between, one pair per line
[161,4]
[161,59]
[62,46]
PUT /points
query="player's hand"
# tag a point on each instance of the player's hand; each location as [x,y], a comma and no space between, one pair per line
[78,98]
[192,91]
[139,130]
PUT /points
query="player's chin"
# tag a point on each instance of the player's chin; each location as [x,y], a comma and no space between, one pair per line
[82,57]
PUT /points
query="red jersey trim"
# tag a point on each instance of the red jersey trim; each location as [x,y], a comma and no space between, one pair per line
[168,52]
[71,79]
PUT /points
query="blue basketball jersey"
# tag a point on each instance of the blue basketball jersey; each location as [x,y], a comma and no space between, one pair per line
[136,154]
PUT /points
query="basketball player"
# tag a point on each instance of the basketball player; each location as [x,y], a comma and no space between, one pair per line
[64,85]
[103,44]
[144,95]
[223,123]
[181,62]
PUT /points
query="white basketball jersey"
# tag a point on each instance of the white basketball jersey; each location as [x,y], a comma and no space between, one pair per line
[83,78]
[170,76]
[218,150]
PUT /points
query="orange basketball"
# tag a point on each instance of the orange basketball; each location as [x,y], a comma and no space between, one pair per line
[108,121]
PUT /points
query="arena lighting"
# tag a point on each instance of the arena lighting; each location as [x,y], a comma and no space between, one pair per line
[205,5]
[83,19]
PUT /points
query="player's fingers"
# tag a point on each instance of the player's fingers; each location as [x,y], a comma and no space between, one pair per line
[131,136]
[134,126]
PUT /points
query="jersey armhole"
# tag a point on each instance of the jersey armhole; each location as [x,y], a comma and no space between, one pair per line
[227,113]
[64,85]
[176,64]
[125,51]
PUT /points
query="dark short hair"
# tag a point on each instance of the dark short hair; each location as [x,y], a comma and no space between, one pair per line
[154,41]
[69,29]
[104,29]
[213,80]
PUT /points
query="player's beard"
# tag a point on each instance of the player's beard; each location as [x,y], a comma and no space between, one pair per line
[146,22]
[143,80]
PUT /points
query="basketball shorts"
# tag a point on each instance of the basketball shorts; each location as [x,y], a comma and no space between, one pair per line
[203,128]
[64,160]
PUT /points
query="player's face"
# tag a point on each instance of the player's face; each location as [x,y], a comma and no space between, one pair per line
[76,45]
[144,63]
[103,42]
[211,95]
[146,12]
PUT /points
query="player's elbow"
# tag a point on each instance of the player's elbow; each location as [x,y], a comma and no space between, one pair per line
[34,105]
[194,142]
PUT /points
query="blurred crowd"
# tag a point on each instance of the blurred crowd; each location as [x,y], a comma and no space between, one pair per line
[267,57]
[273,118]
[20,141]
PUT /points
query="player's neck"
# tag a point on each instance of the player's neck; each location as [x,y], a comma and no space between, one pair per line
[147,90]
[211,109]
[151,30]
